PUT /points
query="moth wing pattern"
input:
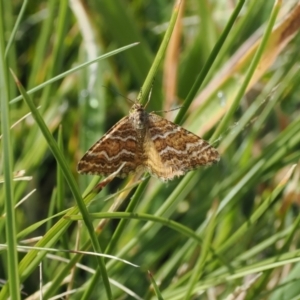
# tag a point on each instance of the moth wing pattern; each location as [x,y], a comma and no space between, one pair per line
[117,146]
[177,149]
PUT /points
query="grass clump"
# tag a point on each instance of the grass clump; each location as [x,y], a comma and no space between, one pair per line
[220,232]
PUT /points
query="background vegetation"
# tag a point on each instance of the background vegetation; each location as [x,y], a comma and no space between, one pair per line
[229,231]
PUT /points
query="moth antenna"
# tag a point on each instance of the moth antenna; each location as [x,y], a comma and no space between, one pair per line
[116,92]
[166,111]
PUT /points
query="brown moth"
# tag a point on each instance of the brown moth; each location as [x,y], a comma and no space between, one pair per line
[147,142]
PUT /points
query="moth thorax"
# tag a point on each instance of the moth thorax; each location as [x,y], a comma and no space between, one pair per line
[139,117]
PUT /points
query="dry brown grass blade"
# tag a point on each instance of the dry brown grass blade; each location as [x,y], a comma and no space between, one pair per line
[230,77]
[281,36]
[119,200]
[171,62]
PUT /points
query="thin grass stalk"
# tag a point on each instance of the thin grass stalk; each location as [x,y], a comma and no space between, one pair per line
[51,209]
[233,37]
[16,26]
[252,110]
[56,281]
[155,287]
[258,213]
[77,68]
[184,230]
[72,184]
[42,44]
[203,73]
[56,55]
[59,200]
[180,192]
[254,63]
[130,208]
[7,161]
[205,252]
[143,95]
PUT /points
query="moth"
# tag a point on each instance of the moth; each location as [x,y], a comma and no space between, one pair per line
[147,142]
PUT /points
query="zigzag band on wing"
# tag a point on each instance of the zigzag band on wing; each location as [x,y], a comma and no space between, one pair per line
[179,149]
[117,146]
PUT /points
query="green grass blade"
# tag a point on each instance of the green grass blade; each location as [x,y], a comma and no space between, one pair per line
[143,95]
[7,159]
[72,184]
[202,75]
[254,63]
[64,74]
